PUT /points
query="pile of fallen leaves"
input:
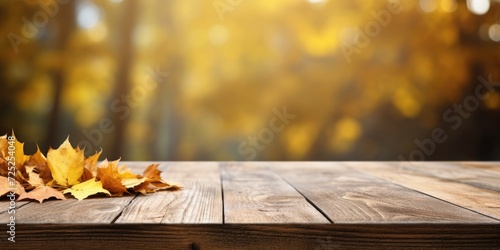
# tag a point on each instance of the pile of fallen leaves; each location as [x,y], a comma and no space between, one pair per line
[66,170]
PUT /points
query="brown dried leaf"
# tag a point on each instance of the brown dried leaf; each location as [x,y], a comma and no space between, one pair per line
[4,145]
[42,193]
[67,167]
[39,161]
[110,178]
[3,168]
[154,182]
[145,187]
[34,178]
[152,173]
[151,187]
[91,163]
[21,158]
[87,175]
[6,187]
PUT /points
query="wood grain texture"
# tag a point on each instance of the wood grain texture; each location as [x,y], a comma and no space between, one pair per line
[244,236]
[200,200]
[488,166]
[255,194]
[483,201]
[91,210]
[373,205]
[348,196]
[456,172]
[5,203]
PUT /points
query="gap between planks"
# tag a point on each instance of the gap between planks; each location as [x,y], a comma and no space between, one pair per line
[253,193]
[480,200]
[199,201]
[349,196]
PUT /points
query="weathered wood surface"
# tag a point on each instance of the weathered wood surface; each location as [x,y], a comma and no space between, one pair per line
[256,236]
[200,201]
[5,204]
[457,172]
[91,210]
[348,196]
[284,205]
[253,193]
[480,200]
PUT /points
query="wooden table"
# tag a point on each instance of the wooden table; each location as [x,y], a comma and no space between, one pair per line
[279,205]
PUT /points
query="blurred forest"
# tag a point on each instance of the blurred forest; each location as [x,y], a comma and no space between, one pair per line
[210,80]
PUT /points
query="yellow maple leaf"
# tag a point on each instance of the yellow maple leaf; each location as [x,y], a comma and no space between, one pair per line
[126,173]
[67,167]
[87,188]
[66,164]
[4,145]
[21,158]
[132,182]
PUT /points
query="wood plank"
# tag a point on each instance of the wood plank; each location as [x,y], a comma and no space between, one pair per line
[348,196]
[200,200]
[487,166]
[267,236]
[90,210]
[457,172]
[5,203]
[255,194]
[483,201]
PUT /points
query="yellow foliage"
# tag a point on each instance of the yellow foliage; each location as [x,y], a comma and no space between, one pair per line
[87,188]
[66,164]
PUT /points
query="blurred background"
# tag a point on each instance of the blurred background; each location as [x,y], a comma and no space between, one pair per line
[253,79]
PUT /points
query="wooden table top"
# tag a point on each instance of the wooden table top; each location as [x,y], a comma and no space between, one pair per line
[284,205]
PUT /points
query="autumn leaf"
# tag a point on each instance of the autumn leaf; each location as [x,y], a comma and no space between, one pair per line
[34,178]
[21,158]
[128,178]
[151,187]
[38,177]
[6,187]
[108,174]
[145,188]
[4,145]
[152,173]
[39,161]
[87,188]
[126,172]
[66,164]
[42,193]
[3,168]
[154,182]
[91,163]
[132,182]
[38,158]
[87,175]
